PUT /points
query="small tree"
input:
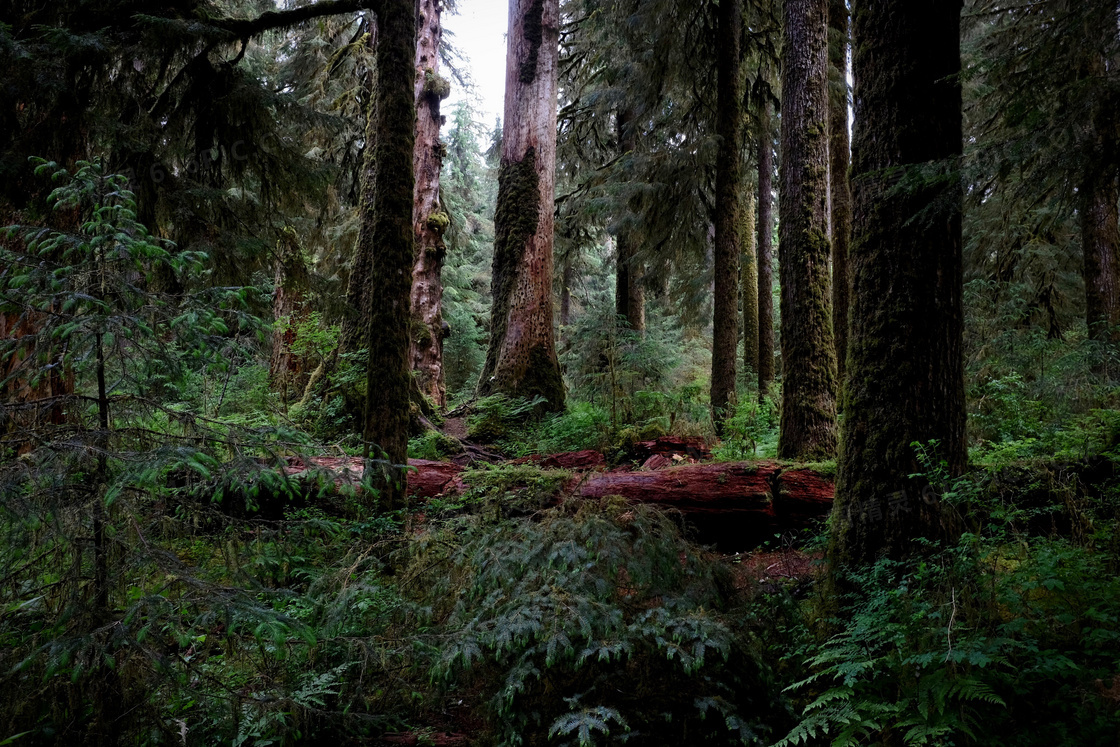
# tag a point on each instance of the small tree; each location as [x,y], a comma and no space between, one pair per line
[74,503]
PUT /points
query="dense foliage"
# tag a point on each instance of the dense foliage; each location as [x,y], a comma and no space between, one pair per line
[174,568]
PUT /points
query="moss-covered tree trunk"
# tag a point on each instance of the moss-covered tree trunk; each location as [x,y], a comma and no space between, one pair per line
[840,192]
[905,370]
[386,240]
[1100,244]
[355,321]
[729,184]
[521,359]
[629,296]
[429,219]
[808,423]
[749,283]
[1097,192]
[289,308]
[765,249]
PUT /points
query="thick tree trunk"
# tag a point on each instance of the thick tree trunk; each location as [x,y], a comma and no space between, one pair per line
[749,284]
[429,219]
[840,191]
[765,250]
[521,360]
[905,375]
[629,295]
[356,320]
[1100,245]
[386,241]
[729,184]
[289,308]
[1097,193]
[808,423]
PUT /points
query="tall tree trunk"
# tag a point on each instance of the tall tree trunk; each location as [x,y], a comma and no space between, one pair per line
[840,191]
[905,375]
[355,321]
[629,294]
[1097,193]
[289,308]
[808,423]
[765,249]
[1100,245]
[386,241]
[729,185]
[521,360]
[749,284]
[429,219]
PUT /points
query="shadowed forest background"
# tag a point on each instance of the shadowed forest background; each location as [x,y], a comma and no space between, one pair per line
[754,379]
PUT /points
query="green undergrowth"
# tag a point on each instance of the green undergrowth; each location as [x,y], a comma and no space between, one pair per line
[1008,636]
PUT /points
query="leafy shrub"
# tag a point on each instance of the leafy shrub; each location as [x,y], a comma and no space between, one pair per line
[989,641]
[597,624]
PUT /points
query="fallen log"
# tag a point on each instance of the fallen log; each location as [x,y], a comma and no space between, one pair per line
[733,505]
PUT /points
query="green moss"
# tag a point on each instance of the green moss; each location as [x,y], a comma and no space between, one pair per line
[515,222]
[439,221]
[436,85]
[534,35]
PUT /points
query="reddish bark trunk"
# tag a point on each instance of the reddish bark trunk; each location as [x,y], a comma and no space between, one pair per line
[429,219]
[521,360]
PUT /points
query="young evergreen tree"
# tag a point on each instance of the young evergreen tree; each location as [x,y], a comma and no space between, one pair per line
[386,239]
[728,210]
[839,190]
[521,360]
[808,421]
[429,218]
[905,379]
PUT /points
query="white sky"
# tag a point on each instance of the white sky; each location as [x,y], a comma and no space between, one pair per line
[479,33]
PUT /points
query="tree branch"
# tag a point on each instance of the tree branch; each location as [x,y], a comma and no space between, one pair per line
[244,28]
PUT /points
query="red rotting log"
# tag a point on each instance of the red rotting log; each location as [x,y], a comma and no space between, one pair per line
[733,504]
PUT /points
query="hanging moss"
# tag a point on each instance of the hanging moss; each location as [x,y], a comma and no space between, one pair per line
[534,35]
[515,222]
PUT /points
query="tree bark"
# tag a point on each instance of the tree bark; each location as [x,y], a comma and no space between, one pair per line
[356,319]
[386,241]
[765,250]
[1100,246]
[840,191]
[729,184]
[808,423]
[289,308]
[629,295]
[429,219]
[521,360]
[1098,196]
[905,375]
[749,284]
